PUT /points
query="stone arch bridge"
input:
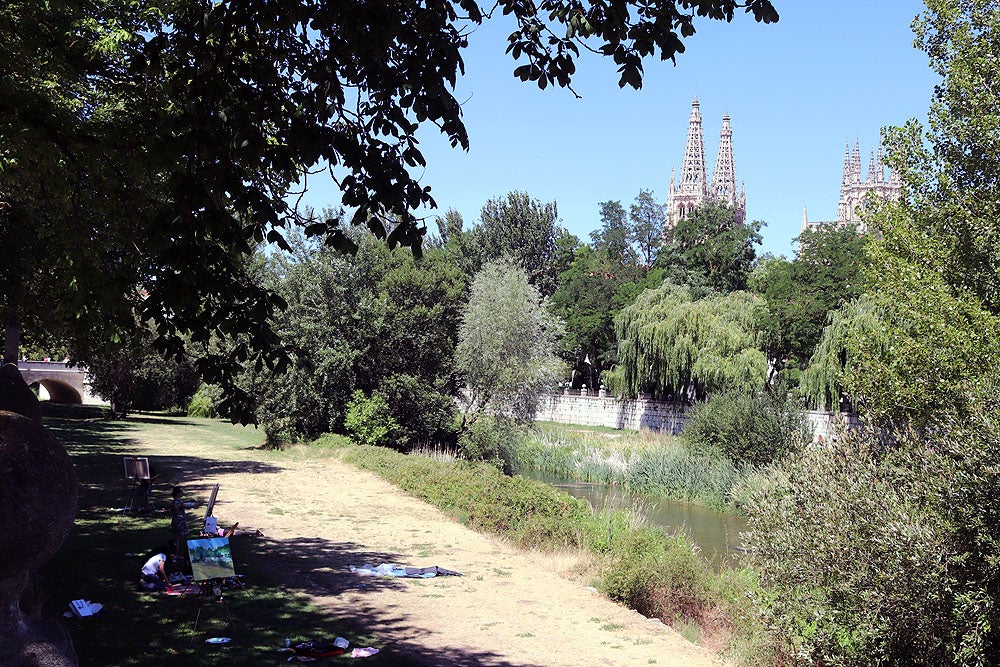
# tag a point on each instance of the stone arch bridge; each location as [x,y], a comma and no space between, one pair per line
[63,383]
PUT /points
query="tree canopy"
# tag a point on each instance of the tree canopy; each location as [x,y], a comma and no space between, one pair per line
[379,323]
[826,273]
[708,244]
[523,230]
[506,345]
[149,146]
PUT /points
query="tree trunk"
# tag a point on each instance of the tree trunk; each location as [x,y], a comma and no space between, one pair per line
[12,339]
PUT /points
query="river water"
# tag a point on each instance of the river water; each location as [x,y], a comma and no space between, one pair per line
[717,534]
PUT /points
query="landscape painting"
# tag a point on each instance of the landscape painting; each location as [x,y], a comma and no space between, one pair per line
[211,558]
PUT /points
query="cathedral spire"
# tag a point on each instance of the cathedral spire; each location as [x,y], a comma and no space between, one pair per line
[724,174]
[693,180]
[854,190]
[856,162]
[691,189]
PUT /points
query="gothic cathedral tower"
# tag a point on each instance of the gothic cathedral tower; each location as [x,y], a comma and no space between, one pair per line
[854,191]
[693,189]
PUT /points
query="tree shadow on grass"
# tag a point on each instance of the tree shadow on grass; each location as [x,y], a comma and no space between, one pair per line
[138,628]
[97,447]
[101,563]
[105,551]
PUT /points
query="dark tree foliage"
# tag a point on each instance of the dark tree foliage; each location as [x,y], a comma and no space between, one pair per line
[131,376]
[647,217]
[523,230]
[613,237]
[826,274]
[603,278]
[592,291]
[149,146]
[380,323]
[710,245]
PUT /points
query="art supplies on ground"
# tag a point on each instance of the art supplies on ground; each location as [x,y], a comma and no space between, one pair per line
[81,608]
[396,570]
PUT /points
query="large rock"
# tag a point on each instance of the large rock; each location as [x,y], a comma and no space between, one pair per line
[38,501]
[16,395]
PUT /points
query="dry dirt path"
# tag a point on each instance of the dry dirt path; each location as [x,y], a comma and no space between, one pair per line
[510,608]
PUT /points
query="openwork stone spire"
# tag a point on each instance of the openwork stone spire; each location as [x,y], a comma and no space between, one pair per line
[693,174]
[846,180]
[724,174]
[693,188]
[856,162]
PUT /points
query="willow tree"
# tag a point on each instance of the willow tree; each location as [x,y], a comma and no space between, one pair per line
[672,344]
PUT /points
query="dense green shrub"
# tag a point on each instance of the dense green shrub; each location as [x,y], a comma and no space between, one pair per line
[494,440]
[754,428]
[424,415]
[875,555]
[369,420]
[205,401]
[657,577]
[378,321]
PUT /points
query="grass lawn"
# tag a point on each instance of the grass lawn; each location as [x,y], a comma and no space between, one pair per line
[101,559]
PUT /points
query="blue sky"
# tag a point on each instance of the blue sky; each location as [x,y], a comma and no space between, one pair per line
[828,72]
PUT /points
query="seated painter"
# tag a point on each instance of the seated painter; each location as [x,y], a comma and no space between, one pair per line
[153,576]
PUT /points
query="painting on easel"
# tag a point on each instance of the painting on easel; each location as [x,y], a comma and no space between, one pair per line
[211,558]
[136,467]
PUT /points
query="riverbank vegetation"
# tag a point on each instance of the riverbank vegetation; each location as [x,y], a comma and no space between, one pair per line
[724,455]
[661,576]
[643,461]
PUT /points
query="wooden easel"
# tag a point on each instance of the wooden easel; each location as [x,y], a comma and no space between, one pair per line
[215,572]
[208,589]
[137,470]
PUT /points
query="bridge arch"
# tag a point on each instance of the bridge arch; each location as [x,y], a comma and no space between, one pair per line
[63,383]
[57,391]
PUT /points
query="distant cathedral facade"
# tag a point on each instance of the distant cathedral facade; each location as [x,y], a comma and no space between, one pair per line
[694,189]
[854,191]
